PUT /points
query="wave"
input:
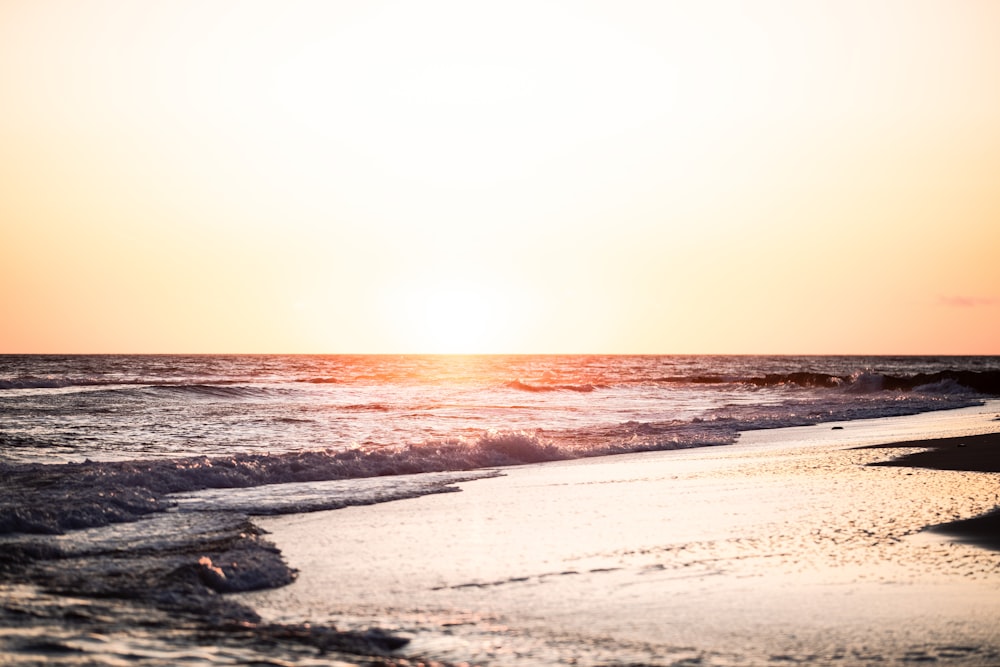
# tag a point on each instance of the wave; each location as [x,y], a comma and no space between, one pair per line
[801,379]
[985,382]
[219,390]
[798,378]
[365,407]
[948,381]
[31,382]
[524,386]
[941,382]
[40,498]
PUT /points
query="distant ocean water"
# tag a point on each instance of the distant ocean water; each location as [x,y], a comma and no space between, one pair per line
[522,408]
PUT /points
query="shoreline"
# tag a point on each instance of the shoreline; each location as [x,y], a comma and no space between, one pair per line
[662,563]
[770,550]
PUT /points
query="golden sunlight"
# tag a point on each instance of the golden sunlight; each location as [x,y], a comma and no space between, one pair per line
[453,316]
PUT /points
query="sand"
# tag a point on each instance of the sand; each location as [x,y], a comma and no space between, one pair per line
[973,453]
[791,546]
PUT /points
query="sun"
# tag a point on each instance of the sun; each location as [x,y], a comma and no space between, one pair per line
[453,317]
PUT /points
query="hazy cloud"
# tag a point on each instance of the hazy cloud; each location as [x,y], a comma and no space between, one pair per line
[960,301]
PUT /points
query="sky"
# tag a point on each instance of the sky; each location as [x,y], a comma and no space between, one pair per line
[781,176]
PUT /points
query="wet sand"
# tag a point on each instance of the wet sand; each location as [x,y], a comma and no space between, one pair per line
[976,453]
[972,453]
[791,546]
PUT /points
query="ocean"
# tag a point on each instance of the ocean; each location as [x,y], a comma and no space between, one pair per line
[130,482]
[481,410]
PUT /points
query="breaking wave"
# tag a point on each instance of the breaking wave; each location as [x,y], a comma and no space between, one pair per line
[30,382]
[80,495]
[69,382]
[40,498]
[951,381]
[216,390]
[524,386]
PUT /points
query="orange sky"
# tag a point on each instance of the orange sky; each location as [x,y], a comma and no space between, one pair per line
[619,177]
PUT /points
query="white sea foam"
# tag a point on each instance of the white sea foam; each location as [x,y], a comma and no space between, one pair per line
[312,496]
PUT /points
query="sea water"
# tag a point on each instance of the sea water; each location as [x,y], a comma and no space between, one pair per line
[190,446]
[103,408]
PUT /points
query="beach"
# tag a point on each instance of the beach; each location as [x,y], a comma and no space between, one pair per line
[521,510]
[791,546]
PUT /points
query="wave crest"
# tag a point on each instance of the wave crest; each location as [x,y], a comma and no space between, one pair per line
[33,382]
[536,388]
[82,495]
[216,390]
